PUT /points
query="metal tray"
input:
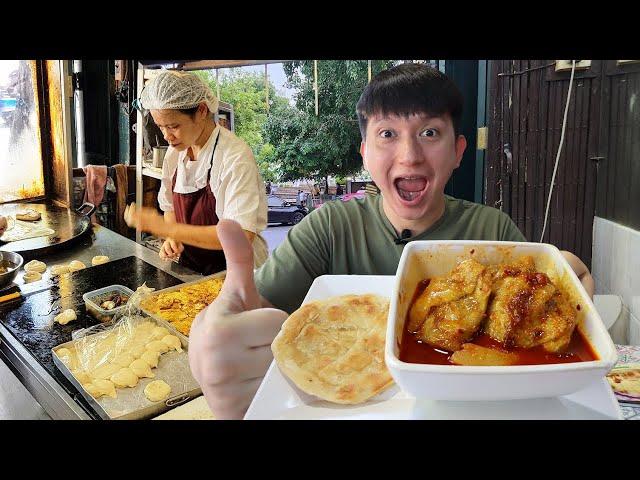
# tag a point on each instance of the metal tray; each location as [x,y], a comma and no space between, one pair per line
[131,403]
[155,316]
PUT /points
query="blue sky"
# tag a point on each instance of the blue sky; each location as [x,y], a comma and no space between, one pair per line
[276,75]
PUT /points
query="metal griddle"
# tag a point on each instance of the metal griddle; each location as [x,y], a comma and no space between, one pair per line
[69,226]
[27,319]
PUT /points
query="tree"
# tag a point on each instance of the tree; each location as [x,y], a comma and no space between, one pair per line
[246,92]
[313,146]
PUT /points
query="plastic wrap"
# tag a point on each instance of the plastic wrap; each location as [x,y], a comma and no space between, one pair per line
[99,353]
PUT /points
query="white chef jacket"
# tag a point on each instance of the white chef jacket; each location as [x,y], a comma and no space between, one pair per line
[235,182]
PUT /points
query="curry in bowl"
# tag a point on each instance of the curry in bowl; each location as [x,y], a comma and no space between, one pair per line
[493,315]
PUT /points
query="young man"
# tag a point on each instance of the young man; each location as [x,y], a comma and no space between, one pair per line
[409,119]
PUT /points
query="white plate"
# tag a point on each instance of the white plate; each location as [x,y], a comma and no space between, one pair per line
[279,398]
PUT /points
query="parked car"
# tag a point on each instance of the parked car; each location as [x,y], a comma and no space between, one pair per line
[281,211]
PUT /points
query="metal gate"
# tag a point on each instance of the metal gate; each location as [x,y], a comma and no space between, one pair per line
[526,101]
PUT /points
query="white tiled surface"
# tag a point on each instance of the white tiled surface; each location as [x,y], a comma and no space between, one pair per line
[616,270]
[16,403]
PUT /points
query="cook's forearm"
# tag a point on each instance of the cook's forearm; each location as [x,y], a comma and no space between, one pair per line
[203,236]
[170,217]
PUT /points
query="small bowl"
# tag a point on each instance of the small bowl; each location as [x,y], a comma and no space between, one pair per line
[93,299]
[13,262]
[426,259]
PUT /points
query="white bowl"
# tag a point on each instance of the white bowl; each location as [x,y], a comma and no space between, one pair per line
[426,259]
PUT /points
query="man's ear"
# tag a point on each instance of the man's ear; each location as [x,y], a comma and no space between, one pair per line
[461,146]
[363,150]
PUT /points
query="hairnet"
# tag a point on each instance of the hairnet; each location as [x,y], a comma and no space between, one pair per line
[171,89]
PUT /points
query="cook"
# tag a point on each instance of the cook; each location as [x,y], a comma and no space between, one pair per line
[208,174]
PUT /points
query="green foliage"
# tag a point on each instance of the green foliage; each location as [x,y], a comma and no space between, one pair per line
[246,92]
[290,142]
[310,146]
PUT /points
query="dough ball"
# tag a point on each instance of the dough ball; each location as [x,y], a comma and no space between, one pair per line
[124,378]
[105,371]
[146,326]
[94,391]
[65,317]
[76,265]
[35,266]
[137,349]
[151,358]
[59,269]
[172,342]
[158,332]
[29,277]
[141,369]
[99,260]
[62,353]
[68,357]
[28,215]
[157,390]
[123,360]
[98,388]
[158,346]
[83,377]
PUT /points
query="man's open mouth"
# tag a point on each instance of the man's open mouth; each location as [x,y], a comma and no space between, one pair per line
[410,188]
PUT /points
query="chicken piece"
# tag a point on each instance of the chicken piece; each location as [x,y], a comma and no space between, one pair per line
[472,354]
[452,308]
[527,309]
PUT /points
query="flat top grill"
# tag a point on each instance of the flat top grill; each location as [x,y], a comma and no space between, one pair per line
[30,320]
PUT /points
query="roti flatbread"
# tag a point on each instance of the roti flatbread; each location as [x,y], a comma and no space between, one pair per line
[28,215]
[334,348]
[625,381]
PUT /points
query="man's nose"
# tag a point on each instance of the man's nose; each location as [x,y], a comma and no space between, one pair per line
[410,151]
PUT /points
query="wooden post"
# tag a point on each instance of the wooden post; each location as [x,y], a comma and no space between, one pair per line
[217,85]
[369,70]
[266,85]
[315,82]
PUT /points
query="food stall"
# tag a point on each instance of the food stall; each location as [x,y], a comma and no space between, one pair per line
[55,262]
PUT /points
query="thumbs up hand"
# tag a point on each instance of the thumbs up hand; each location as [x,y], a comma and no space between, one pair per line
[230,340]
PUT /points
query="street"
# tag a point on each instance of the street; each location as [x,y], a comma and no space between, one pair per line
[274,235]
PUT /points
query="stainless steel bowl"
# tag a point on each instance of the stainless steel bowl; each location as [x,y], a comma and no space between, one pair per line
[12,262]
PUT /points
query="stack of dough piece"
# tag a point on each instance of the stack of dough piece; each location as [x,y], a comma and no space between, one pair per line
[120,359]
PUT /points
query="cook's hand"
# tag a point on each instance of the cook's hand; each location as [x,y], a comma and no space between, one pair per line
[146,219]
[581,271]
[230,340]
[171,249]
[3,225]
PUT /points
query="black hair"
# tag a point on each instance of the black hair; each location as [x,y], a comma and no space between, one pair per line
[189,111]
[407,89]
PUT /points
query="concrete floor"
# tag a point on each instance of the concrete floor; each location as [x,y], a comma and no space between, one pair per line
[16,403]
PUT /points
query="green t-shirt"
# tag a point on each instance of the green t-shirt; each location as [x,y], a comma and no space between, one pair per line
[356,238]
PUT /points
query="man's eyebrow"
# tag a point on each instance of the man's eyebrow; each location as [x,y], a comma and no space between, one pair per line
[390,116]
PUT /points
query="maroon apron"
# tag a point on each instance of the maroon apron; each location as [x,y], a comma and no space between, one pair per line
[199,208]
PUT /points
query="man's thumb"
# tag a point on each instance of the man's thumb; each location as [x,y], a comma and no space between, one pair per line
[239,257]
